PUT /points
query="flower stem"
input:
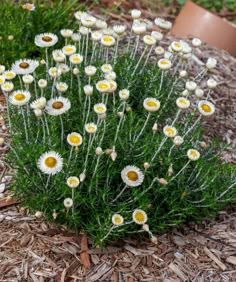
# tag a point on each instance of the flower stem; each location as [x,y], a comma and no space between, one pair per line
[145,124]
[25,125]
[118,196]
[62,130]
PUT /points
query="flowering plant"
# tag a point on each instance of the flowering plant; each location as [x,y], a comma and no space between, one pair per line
[107,138]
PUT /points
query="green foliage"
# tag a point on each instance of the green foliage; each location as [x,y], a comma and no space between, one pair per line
[23,25]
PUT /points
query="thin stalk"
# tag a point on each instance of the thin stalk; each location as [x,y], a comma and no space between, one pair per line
[47,64]
[47,128]
[118,196]
[133,54]
[70,156]
[47,183]
[192,127]
[116,50]
[145,124]
[160,147]
[25,125]
[8,111]
[148,55]
[86,48]
[182,169]
[141,57]
[107,53]
[119,124]
[93,52]
[62,130]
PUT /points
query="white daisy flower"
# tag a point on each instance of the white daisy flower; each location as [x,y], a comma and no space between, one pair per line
[28,6]
[100,108]
[159,50]
[176,46]
[76,71]
[58,56]
[40,103]
[106,68]
[211,63]
[83,30]
[132,176]
[96,36]
[117,219]
[151,104]
[101,24]
[76,37]
[211,83]
[178,140]
[27,79]
[168,55]
[76,59]
[90,70]
[9,74]
[2,69]
[136,14]
[157,35]
[185,93]
[72,181]
[169,131]
[66,33]
[25,66]
[69,50]
[42,83]
[57,106]
[108,41]
[182,103]
[46,40]
[113,86]
[88,21]
[119,29]
[196,42]
[74,139]
[79,14]
[2,79]
[124,94]
[7,86]
[164,64]
[50,163]
[139,216]
[193,154]
[63,69]
[110,75]
[206,108]
[139,28]
[68,203]
[19,97]
[183,73]
[149,40]
[62,87]
[88,90]
[191,85]
[163,24]
[54,72]
[199,92]
[103,86]
[91,127]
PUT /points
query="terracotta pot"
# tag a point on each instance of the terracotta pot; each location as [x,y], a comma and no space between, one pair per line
[195,21]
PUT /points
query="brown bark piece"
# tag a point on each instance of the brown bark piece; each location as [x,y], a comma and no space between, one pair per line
[84,252]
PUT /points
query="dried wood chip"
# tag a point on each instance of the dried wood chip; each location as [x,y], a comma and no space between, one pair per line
[4,203]
[214,258]
[84,252]
[231,260]
[177,271]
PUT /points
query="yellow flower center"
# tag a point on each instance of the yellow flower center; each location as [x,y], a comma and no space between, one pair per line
[73,181]
[139,216]
[151,104]
[194,153]
[69,49]
[177,44]
[118,220]
[103,85]
[132,175]
[50,162]
[47,38]
[74,139]
[9,74]
[164,62]
[28,6]
[57,105]
[206,108]
[91,128]
[100,108]
[170,131]
[1,80]
[76,59]
[183,101]
[108,39]
[19,97]
[24,65]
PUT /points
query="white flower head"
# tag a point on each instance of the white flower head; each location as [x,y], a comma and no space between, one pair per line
[58,56]
[2,79]
[103,86]
[151,104]
[193,154]
[108,41]
[164,64]
[42,83]
[196,42]
[2,69]
[106,68]
[50,163]
[19,97]
[76,59]
[157,35]
[139,28]
[100,24]
[119,29]
[69,50]
[124,94]
[149,40]
[178,140]
[74,139]
[211,83]
[117,219]
[163,24]
[61,87]
[9,74]
[66,33]
[27,79]
[170,131]
[68,203]
[62,69]
[136,14]
[90,70]
[110,75]
[139,216]
[182,103]
[88,21]
[206,108]
[159,50]
[191,85]
[72,181]
[100,108]
[199,92]
[58,106]
[76,37]
[7,86]
[54,72]
[88,90]
[39,103]
[183,73]
[25,66]
[46,40]
[96,36]
[79,14]
[84,30]
[132,176]
[91,128]
[211,63]
[176,46]
[28,6]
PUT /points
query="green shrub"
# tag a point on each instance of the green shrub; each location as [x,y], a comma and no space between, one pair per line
[128,164]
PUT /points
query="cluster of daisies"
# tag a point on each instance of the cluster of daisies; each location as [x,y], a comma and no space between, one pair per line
[47,96]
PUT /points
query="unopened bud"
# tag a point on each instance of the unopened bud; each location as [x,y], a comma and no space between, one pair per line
[109,151]
[120,114]
[75,71]
[146,165]
[98,151]
[170,171]
[82,177]
[155,127]
[113,156]
[128,109]
[54,215]
[42,62]
[145,227]
[154,240]
[203,144]
[38,214]
[162,181]
[38,112]
[2,140]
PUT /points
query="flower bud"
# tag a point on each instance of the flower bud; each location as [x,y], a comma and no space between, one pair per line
[155,127]
[38,112]
[82,177]
[75,71]
[154,240]
[146,165]
[38,214]
[120,114]
[113,156]
[170,170]
[145,227]
[1,141]
[162,181]
[99,151]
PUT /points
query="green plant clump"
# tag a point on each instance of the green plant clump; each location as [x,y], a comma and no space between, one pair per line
[106,135]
